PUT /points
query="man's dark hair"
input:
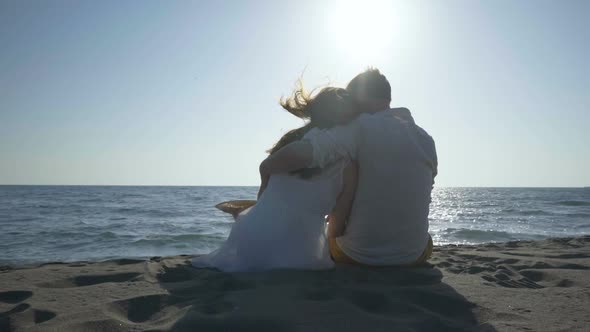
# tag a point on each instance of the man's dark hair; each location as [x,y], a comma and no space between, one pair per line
[372,83]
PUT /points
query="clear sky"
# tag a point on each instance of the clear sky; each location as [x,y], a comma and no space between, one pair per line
[186,92]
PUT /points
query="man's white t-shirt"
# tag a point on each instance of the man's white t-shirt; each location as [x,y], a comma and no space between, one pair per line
[388,224]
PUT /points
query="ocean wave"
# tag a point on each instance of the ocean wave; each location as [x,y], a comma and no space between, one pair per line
[527,212]
[150,212]
[177,239]
[62,234]
[117,218]
[478,236]
[108,235]
[534,213]
[133,196]
[22,219]
[92,200]
[578,215]
[573,203]
[66,223]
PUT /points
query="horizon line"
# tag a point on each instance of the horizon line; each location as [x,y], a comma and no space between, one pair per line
[209,185]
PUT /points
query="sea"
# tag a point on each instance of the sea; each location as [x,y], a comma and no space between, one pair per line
[93,223]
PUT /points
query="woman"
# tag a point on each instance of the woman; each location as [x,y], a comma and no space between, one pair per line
[287,226]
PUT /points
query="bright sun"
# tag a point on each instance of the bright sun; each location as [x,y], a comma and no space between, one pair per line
[364,29]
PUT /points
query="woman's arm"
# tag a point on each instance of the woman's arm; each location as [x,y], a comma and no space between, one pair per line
[341,211]
[292,157]
[319,150]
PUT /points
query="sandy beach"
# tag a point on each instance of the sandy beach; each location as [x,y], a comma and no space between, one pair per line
[514,286]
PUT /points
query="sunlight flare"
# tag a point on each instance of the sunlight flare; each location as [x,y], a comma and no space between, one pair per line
[365,29]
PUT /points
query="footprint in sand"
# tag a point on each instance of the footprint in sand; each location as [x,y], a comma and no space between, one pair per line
[21,309]
[504,280]
[138,309]
[160,307]
[89,280]
[478,258]
[175,274]
[41,316]
[546,278]
[100,279]
[127,261]
[14,296]
[496,271]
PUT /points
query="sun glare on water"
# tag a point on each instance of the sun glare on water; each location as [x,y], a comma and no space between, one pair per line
[364,30]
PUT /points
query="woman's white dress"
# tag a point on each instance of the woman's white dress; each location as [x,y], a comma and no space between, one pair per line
[286,228]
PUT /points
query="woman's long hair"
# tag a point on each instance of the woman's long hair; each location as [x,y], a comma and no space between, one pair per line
[322,110]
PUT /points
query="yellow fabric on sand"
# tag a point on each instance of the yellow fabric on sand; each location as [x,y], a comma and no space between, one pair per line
[340,257]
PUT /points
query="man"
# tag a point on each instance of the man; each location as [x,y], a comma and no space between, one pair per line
[388,222]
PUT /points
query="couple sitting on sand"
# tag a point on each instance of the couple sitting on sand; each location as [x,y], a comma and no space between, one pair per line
[367,167]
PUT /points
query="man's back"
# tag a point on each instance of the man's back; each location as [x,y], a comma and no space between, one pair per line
[388,224]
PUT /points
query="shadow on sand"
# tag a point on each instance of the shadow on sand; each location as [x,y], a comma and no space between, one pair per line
[345,298]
